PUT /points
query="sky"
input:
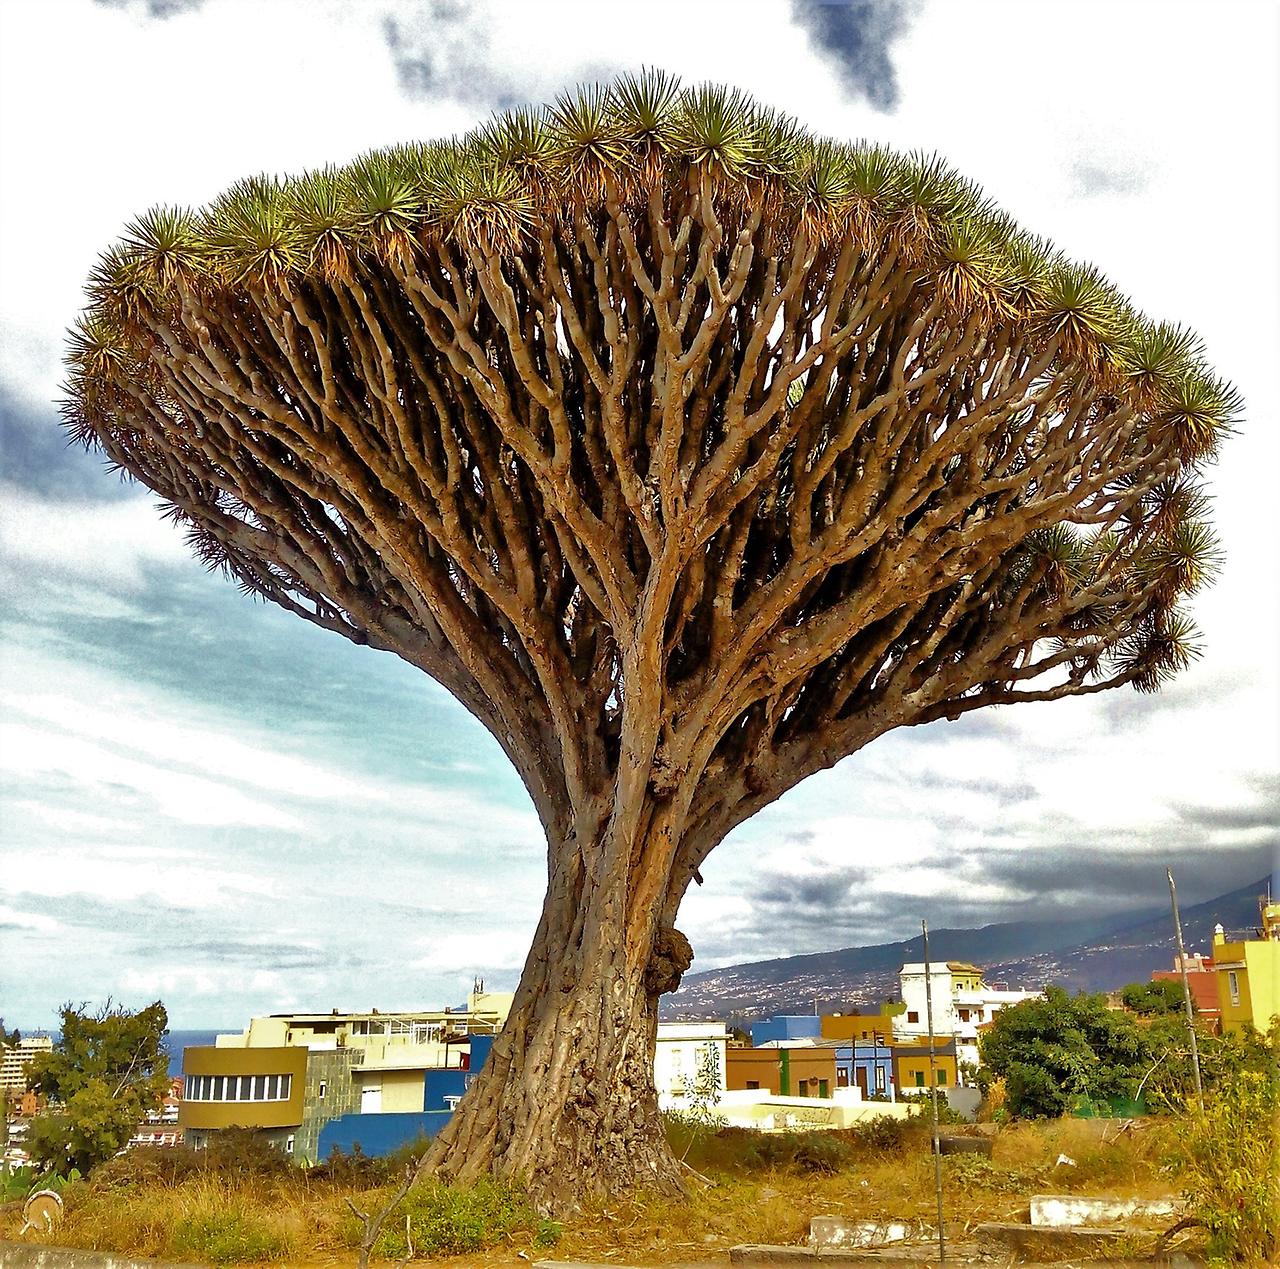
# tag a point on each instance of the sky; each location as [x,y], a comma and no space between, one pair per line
[206,800]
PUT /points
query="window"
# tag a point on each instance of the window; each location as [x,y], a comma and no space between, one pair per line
[942,1077]
[260,1088]
[1233,985]
[323,1087]
[913,1016]
[964,1015]
[451,1103]
[919,1079]
[879,1078]
[753,1083]
[288,1145]
[824,1088]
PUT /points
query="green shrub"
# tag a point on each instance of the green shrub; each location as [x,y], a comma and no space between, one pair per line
[977,1172]
[883,1134]
[822,1152]
[448,1221]
[1229,1164]
[229,1236]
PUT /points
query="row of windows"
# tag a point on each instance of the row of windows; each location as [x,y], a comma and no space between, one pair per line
[237,1088]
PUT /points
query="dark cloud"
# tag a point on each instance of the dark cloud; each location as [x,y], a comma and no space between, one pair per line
[36,455]
[801,893]
[1094,178]
[444,52]
[855,40]
[1077,874]
[156,9]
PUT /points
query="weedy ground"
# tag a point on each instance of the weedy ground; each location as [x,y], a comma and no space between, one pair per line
[244,1207]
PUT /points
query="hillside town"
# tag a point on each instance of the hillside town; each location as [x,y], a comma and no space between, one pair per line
[374,1081]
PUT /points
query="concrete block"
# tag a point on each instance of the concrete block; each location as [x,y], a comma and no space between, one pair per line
[839,1231]
[1037,1243]
[1059,1210]
[965,1145]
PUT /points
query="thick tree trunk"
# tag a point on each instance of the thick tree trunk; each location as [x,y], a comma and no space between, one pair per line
[566,1103]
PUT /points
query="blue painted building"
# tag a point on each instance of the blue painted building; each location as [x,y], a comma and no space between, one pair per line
[380,1133]
[868,1067]
[787,1026]
[442,1089]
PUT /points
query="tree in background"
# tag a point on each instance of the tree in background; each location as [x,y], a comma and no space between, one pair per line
[691,454]
[106,1072]
[9,1039]
[1064,1051]
[1158,997]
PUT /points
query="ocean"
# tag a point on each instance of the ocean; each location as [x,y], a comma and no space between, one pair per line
[176,1041]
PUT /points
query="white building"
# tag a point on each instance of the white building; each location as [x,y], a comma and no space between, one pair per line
[689,1063]
[14,1062]
[962,1002]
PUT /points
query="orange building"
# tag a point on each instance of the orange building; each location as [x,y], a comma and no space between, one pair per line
[802,1071]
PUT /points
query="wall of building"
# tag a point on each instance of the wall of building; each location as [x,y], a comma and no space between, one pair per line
[213,1061]
[911,1067]
[684,1052]
[379,1134]
[786,1027]
[806,1072]
[863,1027]
[752,1069]
[330,1090]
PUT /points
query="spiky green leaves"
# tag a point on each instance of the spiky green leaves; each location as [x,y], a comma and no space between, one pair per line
[606,161]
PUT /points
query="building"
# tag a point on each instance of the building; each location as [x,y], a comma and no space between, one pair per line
[14,1060]
[287,1075]
[911,1063]
[1248,973]
[1202,980]
[962,1004]
[868,1067]
[797,1071]
[689,1063]
[784,1029]
[865,1028]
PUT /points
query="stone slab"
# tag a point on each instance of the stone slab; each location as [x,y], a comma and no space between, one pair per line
[15,1255]
[1037,1243]
[840,1231]
[1058,1210]
[901,1256]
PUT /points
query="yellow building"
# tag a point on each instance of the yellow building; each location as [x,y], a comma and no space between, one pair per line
[1248,973]
[911,1066]
[864,1028]
[258,1088]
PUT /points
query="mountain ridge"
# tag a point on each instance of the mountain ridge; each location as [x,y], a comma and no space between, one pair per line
[1089,954]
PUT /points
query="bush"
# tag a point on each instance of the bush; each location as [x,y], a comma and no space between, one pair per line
[225,1233]
[823,1152]
[883,1134]
[448,1221]
[1229,1163]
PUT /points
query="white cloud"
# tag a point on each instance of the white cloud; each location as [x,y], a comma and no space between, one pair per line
[109,545]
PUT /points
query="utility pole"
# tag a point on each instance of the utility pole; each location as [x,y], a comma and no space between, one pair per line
[1186,989]
[933,1090]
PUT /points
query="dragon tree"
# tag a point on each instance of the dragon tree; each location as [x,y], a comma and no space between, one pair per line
[691,453]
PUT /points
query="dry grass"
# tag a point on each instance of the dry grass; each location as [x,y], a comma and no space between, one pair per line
[285,1217]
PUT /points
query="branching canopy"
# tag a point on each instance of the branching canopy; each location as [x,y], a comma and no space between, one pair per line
[664,434]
